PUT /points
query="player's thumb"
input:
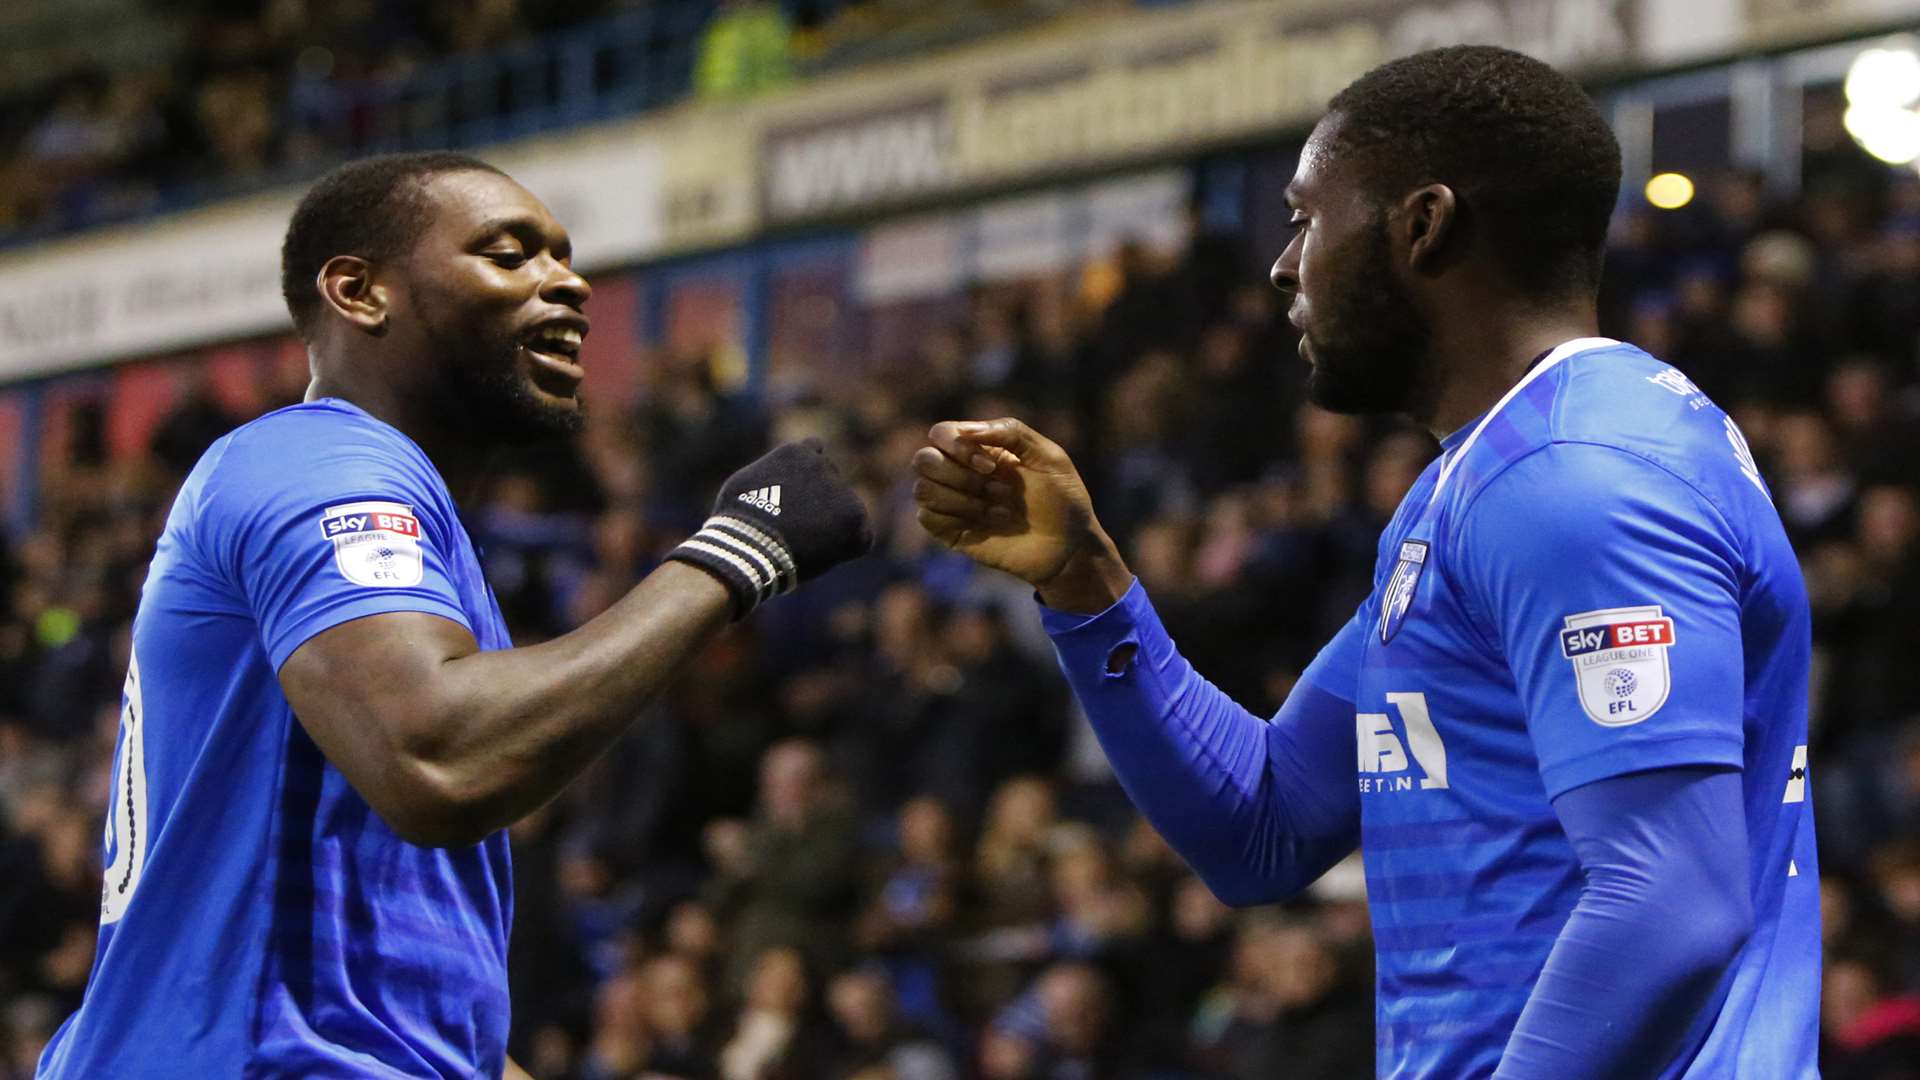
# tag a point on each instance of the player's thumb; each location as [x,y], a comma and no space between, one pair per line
[1011,434]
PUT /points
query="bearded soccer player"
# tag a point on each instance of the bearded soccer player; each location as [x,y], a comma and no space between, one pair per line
[325,731]
[1577,694]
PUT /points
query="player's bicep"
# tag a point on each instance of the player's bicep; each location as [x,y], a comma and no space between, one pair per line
[1311,750]
[1613,588]
[367,692]
[1313,733]
[1310,755]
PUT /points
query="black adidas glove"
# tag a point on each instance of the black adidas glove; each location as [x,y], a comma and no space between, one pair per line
[787,518]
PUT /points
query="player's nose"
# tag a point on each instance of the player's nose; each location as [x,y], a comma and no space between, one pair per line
[566,286]
[1285,275]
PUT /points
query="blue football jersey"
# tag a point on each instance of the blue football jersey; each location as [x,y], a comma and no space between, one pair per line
[1590,581]
[258,919]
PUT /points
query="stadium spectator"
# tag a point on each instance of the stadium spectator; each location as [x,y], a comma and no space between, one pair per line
[778,1034]
[678,1017]
[747,49]
[874,1036]
[1285,1010]
[911,915]
[1871,1030]
[1055,1031]
[788,878]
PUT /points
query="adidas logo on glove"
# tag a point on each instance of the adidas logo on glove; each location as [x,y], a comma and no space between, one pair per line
[766,498]
[758,556]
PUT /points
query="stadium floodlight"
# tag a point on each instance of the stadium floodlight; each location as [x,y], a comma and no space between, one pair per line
[1888,133]
[1883,88]
[1669,190]
[1884,76]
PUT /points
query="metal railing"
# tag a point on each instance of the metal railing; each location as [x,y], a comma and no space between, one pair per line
[627,63]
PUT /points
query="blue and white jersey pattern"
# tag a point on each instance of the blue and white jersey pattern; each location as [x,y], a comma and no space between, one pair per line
[258,918]
[1590,581]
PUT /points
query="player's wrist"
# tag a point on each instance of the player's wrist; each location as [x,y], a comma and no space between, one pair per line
[1093,578]
[751,560]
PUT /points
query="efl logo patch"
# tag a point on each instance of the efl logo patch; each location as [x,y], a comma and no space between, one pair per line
[1619,659]
[375,543]
[1398,597]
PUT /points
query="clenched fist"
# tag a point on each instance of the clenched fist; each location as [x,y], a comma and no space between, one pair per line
[780,521]
[1008,497]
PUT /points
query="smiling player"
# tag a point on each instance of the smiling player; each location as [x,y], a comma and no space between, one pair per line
[324,731]
[1567,730]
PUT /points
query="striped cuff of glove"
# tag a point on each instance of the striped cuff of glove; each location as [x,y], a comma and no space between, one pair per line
[751,562]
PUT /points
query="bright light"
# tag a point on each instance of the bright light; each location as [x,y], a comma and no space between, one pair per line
[1888,133]
[1883,87]
[1669,191]
[1884,77]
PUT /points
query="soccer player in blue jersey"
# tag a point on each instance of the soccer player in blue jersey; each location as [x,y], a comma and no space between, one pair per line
[1567,731]
[325,730]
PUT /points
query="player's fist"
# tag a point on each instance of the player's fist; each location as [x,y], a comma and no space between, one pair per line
[784,519]
[1008,497]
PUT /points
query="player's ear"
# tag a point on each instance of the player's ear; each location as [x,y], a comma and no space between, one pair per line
[1432,217]
[346,285]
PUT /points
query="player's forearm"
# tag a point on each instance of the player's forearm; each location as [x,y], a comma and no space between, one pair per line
[1258,809]
[1665,912]
[515,725]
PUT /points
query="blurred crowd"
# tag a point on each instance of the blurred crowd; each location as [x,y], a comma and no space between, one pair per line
[868,836]
[255,92]
[256,89]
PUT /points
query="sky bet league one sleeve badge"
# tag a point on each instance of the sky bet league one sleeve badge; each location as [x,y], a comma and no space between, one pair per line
[1619,659]
[375,543]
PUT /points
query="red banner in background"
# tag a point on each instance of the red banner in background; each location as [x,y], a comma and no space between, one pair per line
[12,422]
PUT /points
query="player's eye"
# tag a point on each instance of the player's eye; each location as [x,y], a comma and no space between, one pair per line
[1298,221]
[506,257]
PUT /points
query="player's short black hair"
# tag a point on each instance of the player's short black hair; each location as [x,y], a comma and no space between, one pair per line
[374,208]
[1521,145]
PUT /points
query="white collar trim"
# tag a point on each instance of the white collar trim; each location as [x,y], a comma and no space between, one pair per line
[1560,352]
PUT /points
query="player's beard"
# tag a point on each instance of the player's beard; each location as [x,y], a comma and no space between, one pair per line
[487,390]
[1377,357]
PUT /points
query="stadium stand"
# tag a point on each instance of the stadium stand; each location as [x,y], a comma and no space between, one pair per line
[192,100]
[869,837]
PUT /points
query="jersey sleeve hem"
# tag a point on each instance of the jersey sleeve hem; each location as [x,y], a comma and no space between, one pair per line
[290,639]
[1642,755]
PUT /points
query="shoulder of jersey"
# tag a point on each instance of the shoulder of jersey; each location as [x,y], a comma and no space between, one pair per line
[1622,394]
[278,444]
[1624,398]
[310,425]
[1617,396]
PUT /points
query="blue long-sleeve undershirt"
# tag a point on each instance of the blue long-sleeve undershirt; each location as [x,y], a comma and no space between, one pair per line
[1665,909]
[1260,808]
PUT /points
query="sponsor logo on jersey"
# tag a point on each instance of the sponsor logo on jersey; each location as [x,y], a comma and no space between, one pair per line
[375,543]
[1410,757]
[1619,659]
[1397,599]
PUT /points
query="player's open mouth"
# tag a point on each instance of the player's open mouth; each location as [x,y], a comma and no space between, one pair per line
[555,349]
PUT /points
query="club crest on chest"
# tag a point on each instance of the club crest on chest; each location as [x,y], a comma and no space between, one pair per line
[1397,599]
